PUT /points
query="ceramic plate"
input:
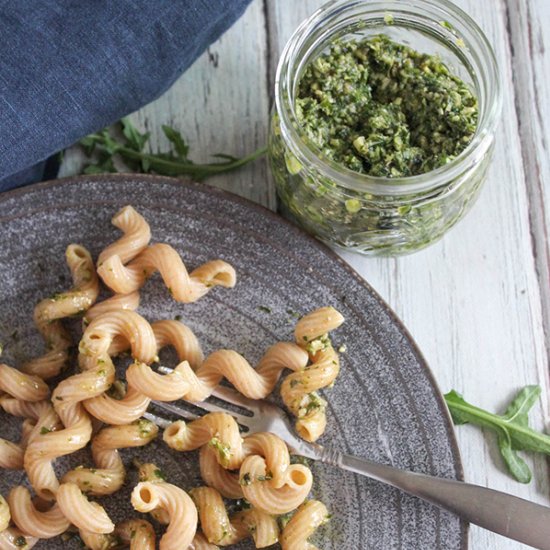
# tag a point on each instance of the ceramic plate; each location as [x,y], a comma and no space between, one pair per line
[385,405]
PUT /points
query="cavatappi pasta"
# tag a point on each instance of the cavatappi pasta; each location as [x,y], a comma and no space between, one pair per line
[91,407]
[219,529]
[49,312]
[299,389]
[309,517]
[142,261]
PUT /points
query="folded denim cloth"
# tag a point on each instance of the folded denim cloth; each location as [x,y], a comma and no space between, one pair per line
[71,67]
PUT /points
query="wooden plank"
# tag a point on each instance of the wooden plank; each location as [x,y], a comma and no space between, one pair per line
[220,105]
[531,57]
[472,301]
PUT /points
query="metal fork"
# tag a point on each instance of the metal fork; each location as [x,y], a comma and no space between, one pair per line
[511,516]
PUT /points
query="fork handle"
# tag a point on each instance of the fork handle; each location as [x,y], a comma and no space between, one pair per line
[513,517]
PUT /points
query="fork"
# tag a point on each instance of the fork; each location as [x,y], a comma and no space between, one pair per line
[510,516]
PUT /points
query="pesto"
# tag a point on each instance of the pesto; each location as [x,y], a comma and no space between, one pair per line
[383,109]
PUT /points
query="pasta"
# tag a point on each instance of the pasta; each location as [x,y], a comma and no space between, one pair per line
[299,389]
[71,392]
[185,383]
[143,383]
[138,534]
[114,303]
[137,235]
[144,261]
[22,388]
[152,473]
[216,476]
[220,530]
[109,474]
[40,524]
[11,455]
[310,516]
[48,312]
[266,477]
[221,432]
[148,496]
[39,467]
[183,286]
[201,543]
[92,406]
[254,478]
[25,387]
[81,512]
[5,514]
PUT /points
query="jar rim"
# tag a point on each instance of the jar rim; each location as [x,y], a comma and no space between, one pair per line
[304,150]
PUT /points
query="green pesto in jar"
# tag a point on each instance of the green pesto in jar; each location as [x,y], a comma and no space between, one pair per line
[383,109]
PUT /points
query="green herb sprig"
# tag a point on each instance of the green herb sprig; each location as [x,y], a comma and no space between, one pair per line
[124,142]
[512,428]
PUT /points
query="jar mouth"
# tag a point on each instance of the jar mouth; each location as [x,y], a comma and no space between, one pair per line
[443,21]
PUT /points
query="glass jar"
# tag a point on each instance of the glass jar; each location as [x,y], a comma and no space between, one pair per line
[375,215]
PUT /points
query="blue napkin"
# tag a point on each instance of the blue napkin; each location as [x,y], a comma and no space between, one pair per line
[71,67]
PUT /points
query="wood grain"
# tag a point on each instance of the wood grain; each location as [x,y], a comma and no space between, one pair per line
[476,301]
[531,59]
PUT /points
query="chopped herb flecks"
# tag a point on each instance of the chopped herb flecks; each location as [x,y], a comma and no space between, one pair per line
[384,109]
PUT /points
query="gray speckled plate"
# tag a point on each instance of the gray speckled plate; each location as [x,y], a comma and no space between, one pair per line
[385,404]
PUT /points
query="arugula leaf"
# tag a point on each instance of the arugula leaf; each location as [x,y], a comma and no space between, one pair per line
[176,139]
[134,138]
[512,428]
[516,465]
[125,144]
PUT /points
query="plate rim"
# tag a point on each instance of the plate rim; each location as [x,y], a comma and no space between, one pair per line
[275,217]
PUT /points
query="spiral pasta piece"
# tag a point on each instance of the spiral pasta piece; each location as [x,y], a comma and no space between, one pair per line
[114,303]
[221,432]
[223,531]
[138,534]
[254,383]
[137,235]
[299,389]
[95,345]
[181,338]
[40,524]
[152,473]
[216,476]
[109,474]
[20,385]
[39,469]
[309,517]
[49,312]
[183,286]
[198,385]
[24,409]
[254,478]
[81,512]
[11,454]
[144,384]
[217,429]
[181,530]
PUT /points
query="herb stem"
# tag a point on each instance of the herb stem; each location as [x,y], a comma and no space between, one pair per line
[161,163]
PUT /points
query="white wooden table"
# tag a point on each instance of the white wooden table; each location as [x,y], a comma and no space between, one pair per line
[477,302]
